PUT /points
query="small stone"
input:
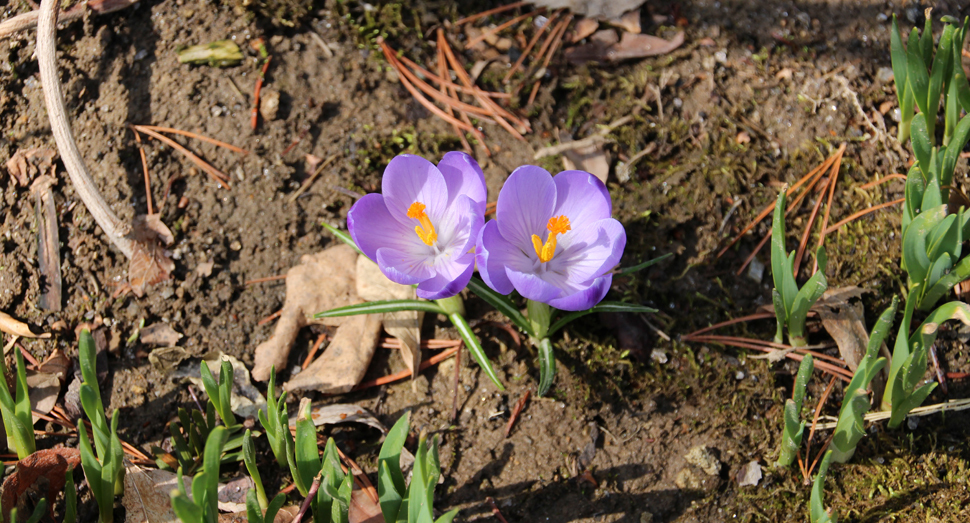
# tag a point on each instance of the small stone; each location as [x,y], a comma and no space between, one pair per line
[687,480]
[756,270]
[749,474]
[269,104]
[646,517]
[658,356]
[884,75]
[912,422]
[235,245]
[702,457]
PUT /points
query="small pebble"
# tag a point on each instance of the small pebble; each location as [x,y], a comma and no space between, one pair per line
[235,245]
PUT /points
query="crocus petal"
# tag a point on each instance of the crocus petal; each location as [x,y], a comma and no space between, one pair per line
[459,226]
[581,197]
[406,268]
[525,205]
[442,286]
[372,226]
[532,287]
[586,298]
[463,177]
[493,253]
[589,252]
[408,179]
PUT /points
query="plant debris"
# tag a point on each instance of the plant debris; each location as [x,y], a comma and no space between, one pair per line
[23,166]
[221,53]
[50,464]
[149,264]
[160,335]
[372,285]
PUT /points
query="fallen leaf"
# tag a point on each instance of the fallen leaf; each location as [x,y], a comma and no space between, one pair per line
[630,46]
[244,399]
[341,413]
[232,494]
[345,361]
[749,474]
[363,509]
[147,496]
[629,21]
[57,364]
[18,328]
[322,281]
[159,335]
[149,262]
[285,515]
[48,243]
[24,165]
[43,390]
[843,316]
[583,28]
[166,359]
[47,466]
[372,285]
[593,159]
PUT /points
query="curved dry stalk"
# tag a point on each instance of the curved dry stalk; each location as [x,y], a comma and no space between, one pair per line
[116,230]
[28,21]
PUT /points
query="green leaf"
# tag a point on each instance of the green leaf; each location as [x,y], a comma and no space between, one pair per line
[941,71]
[381,307]
[914,242]
[448,517]
[547,366]
[960,136]
[225,394]
[781,263]
[801,380]
[92,469]
[391,487]
[606,306]
[915,187]
[274,507]
[917,75]
[70,497]
[644,265]
[471,341]
[22,437]
[922,142]
[186,511]
[804,299]
[213,450]
[942,286]
[850,427]
[817,509]
[502,304]
[342,236]
[307,457]
[418,507]
[253,512]
[249,458]
[99,426]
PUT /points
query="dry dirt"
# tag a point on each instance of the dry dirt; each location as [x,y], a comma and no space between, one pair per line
[771,70]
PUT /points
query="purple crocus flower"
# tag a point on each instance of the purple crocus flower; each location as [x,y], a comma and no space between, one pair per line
[422,229]
[552,239]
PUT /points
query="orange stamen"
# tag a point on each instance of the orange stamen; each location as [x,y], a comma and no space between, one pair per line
[425,231]
[557,225]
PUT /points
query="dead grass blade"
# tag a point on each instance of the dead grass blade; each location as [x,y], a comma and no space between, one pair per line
[190,134]
[862,213]
[496,10]
[528,48]
[495,30]
[218,176]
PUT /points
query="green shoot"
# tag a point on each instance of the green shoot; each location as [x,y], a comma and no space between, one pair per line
[104,471]
[791,439]
[791,303]
[412,504]
[17,419]
[274,421]
[39,510]
[249,458]
[903,390]
[255,514]
[816,508]
[204,505]
[220,392]
[70,497]
[855,401]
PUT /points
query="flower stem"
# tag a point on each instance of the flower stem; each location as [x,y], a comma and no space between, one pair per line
[539,316]
[547,365]
[452,305]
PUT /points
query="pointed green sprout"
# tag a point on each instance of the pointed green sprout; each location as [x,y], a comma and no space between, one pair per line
[414,503]
[105,471]
[816,508]
[18,422]
[274,421]
[70,497]
[220,392]
[249,458]
[203,507]
[39,510]
[256,515]
[791,303]
[855,401]
[791,439]
[903,389]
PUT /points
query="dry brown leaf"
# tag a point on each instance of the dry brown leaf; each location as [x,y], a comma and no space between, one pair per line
[629,21]
[844,318]
[363,509]
[24,165]
[57,364]
[147,496]
[593,159]
[18,328]
[166,359]
[45,467]
[630,46]
[285,515]
[372,285]
[48,243]
[342,413]
[345,360]
[322,281]
[43,390]
[582,29]
[159,335]
[149,262]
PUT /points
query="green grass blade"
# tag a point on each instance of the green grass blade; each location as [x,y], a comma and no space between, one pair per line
[343,236]
[381,307]
[817,509]
[644,265]
[547,366]
[607,306]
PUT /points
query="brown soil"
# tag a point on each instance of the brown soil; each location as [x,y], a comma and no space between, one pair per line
[770,70]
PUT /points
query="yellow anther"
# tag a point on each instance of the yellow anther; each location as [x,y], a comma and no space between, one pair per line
[425,231]
[557,225]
